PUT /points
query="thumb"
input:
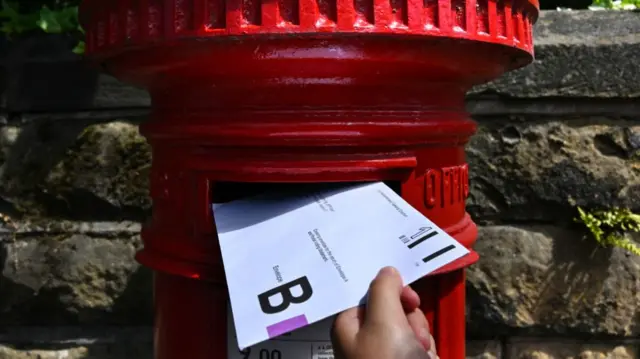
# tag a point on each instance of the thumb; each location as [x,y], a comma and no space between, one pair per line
[383,303]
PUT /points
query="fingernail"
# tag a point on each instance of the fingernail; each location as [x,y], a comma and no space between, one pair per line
[388,271]
[424,333]
[425,338]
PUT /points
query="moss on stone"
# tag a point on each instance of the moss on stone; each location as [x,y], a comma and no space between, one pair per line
[78,172]
[107,166]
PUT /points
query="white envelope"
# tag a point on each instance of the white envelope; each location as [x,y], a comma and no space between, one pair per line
[292,259]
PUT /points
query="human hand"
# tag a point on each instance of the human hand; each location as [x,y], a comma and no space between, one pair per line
[390,326]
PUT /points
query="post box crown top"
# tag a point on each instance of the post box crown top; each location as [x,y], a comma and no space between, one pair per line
[114,24]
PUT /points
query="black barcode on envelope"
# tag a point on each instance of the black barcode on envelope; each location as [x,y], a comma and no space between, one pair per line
[422,239]
[438,253]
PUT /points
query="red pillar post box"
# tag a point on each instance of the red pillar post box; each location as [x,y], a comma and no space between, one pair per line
[248,95]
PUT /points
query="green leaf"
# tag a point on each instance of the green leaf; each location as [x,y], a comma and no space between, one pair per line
[48,21]
[55,16]
[79,49]
[609,228]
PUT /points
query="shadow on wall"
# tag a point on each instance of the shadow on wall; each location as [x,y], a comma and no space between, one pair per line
[136,301]
[37,149]
[571,4]
[32,58]
[11,292]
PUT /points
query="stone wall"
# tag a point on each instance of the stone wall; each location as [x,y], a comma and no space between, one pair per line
[563,132]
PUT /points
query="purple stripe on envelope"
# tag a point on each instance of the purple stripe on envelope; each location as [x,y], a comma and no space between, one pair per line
[286,325]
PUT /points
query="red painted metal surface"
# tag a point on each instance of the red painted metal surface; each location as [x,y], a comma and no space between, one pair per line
[249,94]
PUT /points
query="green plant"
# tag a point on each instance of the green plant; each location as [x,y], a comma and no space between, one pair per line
[617,4]
[609,227]
[54,17]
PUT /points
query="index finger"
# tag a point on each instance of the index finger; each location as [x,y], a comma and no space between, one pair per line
[383,301]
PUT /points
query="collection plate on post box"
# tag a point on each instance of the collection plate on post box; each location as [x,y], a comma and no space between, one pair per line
[310,342]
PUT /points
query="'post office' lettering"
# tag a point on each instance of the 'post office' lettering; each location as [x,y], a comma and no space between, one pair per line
[446,186]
